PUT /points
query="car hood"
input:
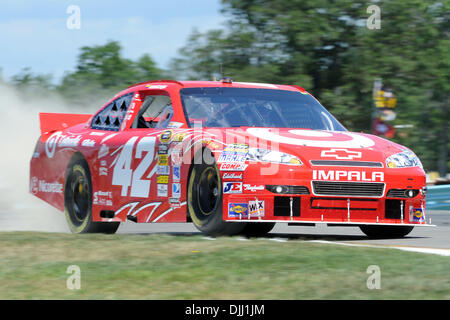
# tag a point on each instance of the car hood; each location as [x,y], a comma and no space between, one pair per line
[309,145]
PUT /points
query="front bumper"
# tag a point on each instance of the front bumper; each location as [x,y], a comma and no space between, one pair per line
[400,200]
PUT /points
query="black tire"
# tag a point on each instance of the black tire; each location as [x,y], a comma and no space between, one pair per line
[204,201]
[78,201]
[386,232]
[257,229]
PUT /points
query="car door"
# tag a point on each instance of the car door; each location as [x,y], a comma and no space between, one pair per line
[140,168]
[106,137]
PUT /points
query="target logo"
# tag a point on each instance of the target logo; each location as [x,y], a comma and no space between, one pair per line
[50,144]
[313,138]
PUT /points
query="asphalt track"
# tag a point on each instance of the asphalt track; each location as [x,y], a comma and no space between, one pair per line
[34,215]
[428,237]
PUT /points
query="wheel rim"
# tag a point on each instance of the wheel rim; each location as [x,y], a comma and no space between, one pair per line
[208,191]
[80,196]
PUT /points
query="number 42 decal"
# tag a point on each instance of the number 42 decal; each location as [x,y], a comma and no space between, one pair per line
[124,176]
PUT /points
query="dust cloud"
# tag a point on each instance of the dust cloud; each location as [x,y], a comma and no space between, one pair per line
[19,131]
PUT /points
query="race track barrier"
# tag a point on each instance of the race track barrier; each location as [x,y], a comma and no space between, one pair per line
[438,197]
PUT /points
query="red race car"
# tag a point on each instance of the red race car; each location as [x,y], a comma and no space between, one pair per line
[230,157]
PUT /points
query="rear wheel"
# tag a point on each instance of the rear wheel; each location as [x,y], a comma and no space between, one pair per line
[386,232]
[204,200]
[78,201]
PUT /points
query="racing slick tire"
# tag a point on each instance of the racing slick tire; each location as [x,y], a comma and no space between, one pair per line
[204,201]
[257,229]
[386,232]
[78,200]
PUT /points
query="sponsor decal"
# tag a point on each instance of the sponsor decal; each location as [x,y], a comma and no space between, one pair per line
[339,175]
[163,160]
[213,145]
[174,124]
[341,154]
[233,166]
[176,157]
[102,198]
[417,215]
[88,143]
[232,187]
[226,157]
[174,203]
[237,210]
[314,138]
[165,136]
[60,140]
[178,137]
[34,185]
[162,190]
[256,208]
[50,187]
[163,170]
[69,141]
[36,155]
[232,176]
[103,169]
[162,149]
[162,179]
[156,86]
[240,148]
[50,144]
[176,190]
[234,153]
[253,188]
[176,173]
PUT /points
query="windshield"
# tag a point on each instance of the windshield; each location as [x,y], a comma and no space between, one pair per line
[242,107]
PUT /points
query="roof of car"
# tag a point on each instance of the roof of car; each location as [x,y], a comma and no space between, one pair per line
[155,84]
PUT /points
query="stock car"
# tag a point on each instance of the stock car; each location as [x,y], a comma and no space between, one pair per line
[230,157]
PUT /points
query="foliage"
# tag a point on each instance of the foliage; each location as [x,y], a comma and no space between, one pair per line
[326,47]
[102,71]
[321,45]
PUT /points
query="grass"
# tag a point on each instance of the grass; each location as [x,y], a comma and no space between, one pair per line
[33,266]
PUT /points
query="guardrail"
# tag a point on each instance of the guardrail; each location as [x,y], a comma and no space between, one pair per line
[438,197]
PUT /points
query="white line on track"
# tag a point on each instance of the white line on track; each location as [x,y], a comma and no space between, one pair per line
[208,238]
[441,252]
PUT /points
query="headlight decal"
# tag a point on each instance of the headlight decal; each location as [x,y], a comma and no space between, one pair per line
[403,159]
[264,155]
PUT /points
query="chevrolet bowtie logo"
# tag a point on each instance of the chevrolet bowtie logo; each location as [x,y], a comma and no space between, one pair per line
[341,154]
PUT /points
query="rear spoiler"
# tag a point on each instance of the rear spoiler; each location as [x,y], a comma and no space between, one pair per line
[59,121]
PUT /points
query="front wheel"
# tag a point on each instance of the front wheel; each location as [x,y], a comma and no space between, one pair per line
[386,232]
[204,200]
[78,201]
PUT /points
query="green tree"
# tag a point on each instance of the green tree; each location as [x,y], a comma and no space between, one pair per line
[326,47]
[102,71]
